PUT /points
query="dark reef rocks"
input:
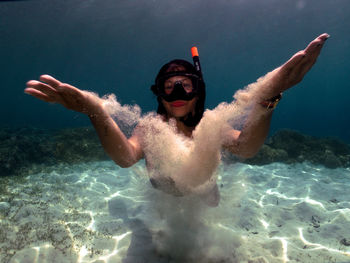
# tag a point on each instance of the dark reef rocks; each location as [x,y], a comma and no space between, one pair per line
[291,147]
[26,150]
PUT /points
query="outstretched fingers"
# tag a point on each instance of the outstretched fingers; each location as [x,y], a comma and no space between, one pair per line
[50,81]
[50,89]
[61,88]
[317,42]
[298,65]
[38,94]
[307,56]
[41,91]
[312,51]
[42,87]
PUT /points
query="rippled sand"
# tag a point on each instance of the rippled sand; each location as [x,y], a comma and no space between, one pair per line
[97,212]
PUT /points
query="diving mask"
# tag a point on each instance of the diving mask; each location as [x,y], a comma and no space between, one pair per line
[181,89]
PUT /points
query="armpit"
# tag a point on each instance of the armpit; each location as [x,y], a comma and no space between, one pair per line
[231,141]
[137,146]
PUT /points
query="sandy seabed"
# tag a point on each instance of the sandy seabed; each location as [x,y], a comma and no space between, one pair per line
[97,212]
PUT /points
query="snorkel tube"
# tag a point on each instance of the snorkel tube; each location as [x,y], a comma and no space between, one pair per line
[197,64]
[193,120]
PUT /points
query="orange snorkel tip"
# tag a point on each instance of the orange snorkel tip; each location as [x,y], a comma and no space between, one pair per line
[194,51]
[195,57]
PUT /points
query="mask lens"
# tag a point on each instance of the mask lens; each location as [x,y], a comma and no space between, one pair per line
[185,87]
[185,84]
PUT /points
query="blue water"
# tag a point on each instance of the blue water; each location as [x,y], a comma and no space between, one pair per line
[118,47]
[98,212]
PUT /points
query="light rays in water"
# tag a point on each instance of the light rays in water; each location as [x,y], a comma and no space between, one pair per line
[317,246]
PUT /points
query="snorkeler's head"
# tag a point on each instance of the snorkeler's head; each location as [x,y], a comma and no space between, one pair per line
[180,90]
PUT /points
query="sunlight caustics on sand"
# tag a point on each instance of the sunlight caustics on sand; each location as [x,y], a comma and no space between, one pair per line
[104,216]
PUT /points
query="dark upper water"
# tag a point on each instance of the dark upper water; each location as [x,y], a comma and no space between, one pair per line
[118,47]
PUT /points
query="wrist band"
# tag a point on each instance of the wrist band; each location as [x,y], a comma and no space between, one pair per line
[271,103]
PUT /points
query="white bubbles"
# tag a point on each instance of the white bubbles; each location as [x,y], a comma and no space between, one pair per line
[128,114]
[189,163]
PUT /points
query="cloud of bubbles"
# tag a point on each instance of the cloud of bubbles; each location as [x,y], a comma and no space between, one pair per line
[191,164]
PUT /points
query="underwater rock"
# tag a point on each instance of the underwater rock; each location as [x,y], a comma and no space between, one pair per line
[78,145]
[291,147]
[330,160]
[345,242]
[267,155]
[21,147]
[315,221]
[26,150]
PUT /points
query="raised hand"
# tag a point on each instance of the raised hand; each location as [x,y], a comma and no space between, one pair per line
[294,70]
[51,90]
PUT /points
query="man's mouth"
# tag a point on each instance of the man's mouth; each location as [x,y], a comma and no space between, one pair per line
[177,104]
